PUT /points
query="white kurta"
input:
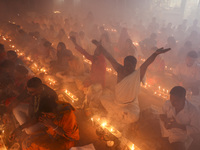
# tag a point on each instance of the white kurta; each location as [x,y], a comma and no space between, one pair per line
[189,117]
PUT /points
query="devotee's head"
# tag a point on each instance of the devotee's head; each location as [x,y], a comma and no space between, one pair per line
[34,86]
[191,58]
[21,72]
[12,55]
[130,63]
[177,97]
[61,46]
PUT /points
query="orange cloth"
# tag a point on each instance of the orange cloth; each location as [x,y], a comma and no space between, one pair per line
[69,125]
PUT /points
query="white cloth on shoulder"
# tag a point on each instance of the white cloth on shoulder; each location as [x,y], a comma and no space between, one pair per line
[124,105]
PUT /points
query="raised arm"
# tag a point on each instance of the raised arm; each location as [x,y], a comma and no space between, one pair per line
[81,50]
[145,65]
[110,58]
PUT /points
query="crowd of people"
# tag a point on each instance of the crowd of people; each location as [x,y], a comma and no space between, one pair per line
[62,44]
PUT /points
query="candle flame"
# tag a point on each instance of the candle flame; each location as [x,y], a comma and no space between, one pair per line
[133,147]
[104,124]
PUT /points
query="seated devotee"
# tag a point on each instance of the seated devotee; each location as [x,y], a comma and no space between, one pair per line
[180,120]
[12,56]
[2,53]
[48,53]
[98,68]
[69,65]
[124,107]
[62,130]
[147,44]
[61,48]
[188,72]
[28,106]
[76,66]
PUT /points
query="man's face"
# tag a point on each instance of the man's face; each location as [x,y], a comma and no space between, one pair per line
[34,91]
[177,102]
[190,61]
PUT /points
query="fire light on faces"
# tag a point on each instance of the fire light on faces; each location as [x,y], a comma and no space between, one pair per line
[71,96]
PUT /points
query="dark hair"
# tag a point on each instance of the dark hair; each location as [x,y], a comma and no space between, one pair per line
[21,69]
[192,54]
[34,82]
[11,53]
[62,45]
[130,59]
[178,91]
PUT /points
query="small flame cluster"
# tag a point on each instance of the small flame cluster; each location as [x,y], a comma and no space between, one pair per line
[102,123]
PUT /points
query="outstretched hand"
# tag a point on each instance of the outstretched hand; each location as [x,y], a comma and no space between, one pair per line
[162,50]
[73,39]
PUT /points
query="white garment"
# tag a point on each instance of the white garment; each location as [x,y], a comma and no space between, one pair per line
[189,117]
[124,105]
